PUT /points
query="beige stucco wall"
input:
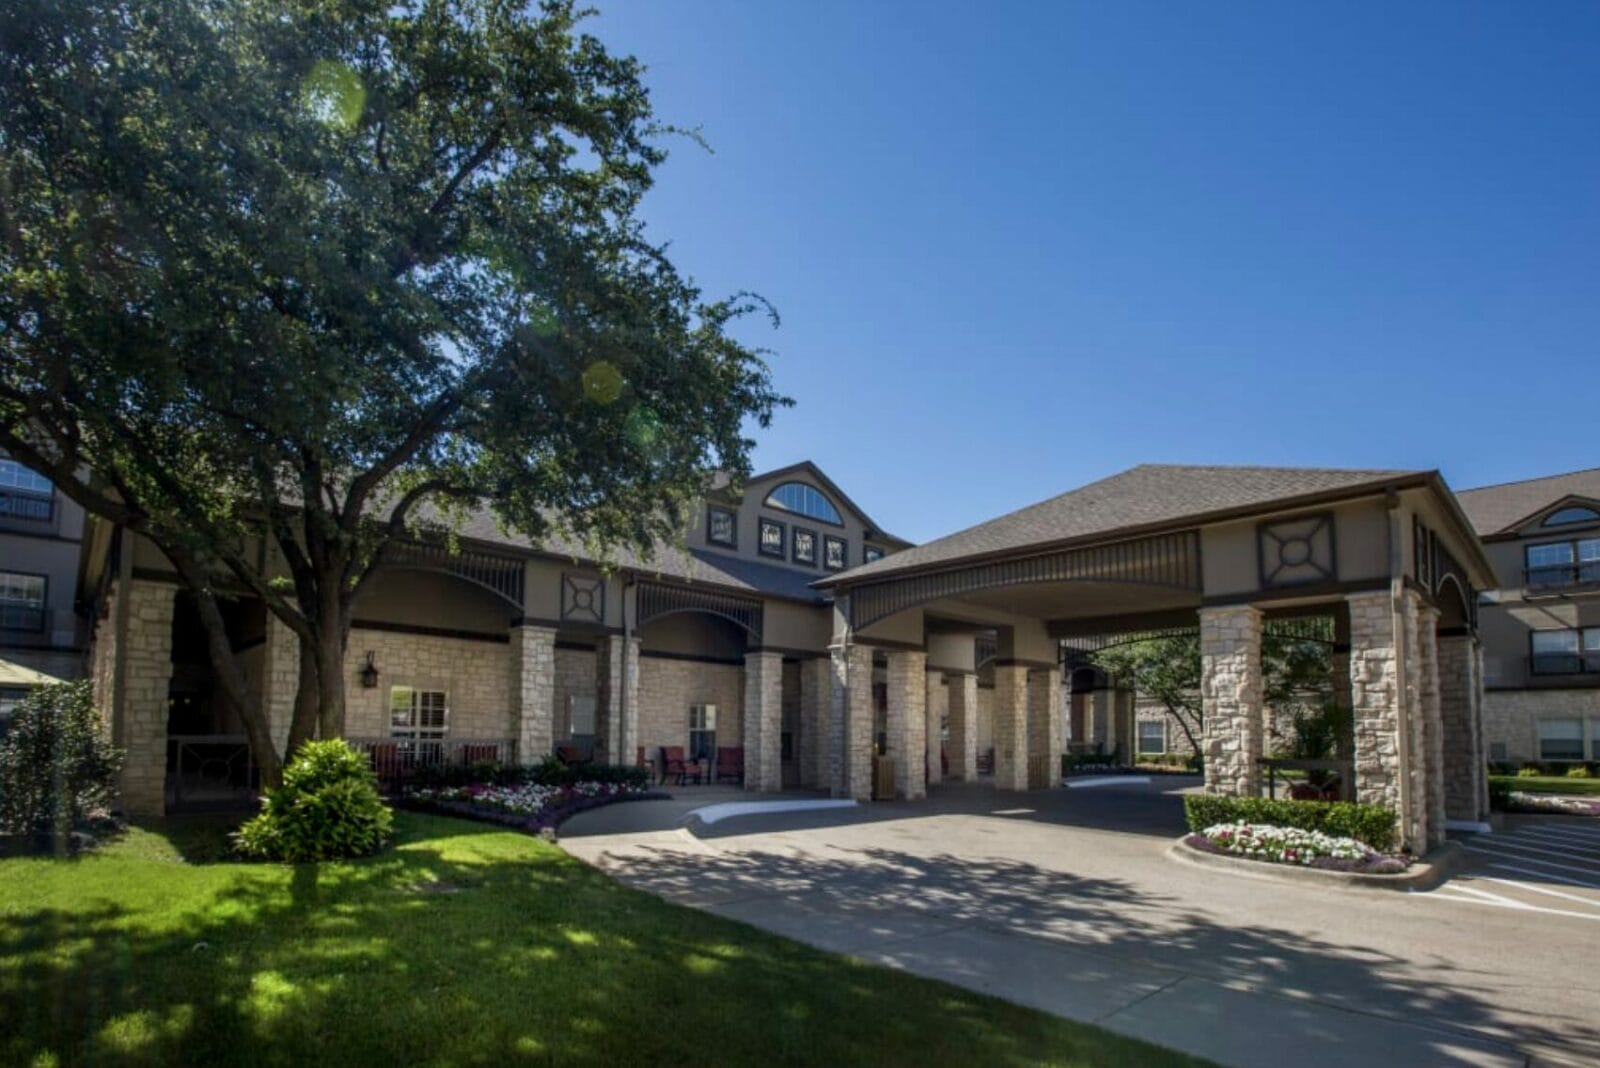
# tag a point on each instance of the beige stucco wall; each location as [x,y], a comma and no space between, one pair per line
[1230,563]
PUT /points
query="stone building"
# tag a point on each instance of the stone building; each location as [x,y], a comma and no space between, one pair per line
[1541,626]
[791,626]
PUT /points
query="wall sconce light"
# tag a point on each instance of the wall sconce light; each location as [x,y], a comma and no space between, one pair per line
[369,674]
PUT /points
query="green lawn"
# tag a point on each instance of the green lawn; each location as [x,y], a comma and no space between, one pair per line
[465,945]
[1548,784]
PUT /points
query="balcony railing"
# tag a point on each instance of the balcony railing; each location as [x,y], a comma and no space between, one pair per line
[398,759]
[1564,664]
[32,506]
[1585,573]
[23,618]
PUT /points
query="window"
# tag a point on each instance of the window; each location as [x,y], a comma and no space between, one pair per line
[21,601]
[580,723]
[1152,736]
[722,527]
[419,718]
[1565,652]
[702,732]
[10,698]
[805,546]
[14,476]
[833,553]
[1571,515]
[770,542]
[1561,739]
[806,500]
[1563,563]
[869,553]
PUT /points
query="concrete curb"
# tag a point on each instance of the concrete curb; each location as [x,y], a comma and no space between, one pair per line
[1425,874]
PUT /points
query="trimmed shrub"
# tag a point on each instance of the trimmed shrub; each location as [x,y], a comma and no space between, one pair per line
[327,808]
[1579,771]
[57,771]
[1530,771]
[1499,795]
[1372,824]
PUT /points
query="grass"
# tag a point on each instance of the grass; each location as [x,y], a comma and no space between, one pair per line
[1549,784]
[465,945]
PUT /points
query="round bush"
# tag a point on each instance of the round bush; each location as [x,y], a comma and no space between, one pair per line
[57,771]
[327,808]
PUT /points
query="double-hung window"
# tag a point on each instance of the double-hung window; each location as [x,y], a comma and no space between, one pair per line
[1152,736]
[1564,563]
[419,719]
[702,732]
[22,602]
[1566,651]
[1561,739]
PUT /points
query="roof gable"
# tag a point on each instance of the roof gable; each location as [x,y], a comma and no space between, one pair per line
[1507,508]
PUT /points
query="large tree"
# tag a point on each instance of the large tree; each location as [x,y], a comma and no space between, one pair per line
[323,274]
[1296,670]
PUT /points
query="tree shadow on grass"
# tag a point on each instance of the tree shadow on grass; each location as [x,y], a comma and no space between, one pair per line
[463,946]
[888,891]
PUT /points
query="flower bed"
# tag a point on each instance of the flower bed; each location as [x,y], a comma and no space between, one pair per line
[530,806]
[1518,801]
[1292,845]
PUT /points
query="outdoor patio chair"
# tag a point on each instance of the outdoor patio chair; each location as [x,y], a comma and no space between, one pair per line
[730,763]
[386,765]
[569,755]
[1305,791]
[675,764]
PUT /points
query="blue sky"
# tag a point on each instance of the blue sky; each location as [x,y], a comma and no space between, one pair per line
[1019,246]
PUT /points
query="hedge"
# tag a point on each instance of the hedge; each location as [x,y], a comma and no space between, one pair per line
[1371,824]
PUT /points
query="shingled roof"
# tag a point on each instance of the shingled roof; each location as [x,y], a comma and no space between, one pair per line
[1141,498]
[1497,509]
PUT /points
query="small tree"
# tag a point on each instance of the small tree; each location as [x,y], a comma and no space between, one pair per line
[57,771]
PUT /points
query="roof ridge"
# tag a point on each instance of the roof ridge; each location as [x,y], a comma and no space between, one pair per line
[1525,481]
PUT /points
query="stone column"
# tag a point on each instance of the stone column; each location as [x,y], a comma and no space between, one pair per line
[617,700]
[816,692]
[1230,697]
[850,722]
[1044,723]
[147,675]
[1384,676]
[533,691]
[280,678]
[763,721]
[938,705]
[961,691]
[1432,764]
[1011,726]
[1462,728]
[908,722]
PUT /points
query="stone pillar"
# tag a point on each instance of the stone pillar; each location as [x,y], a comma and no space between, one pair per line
[617,700]
[850,722]
[280,679]
[816,692]
[1384,677]
[908,722]
[1432,764]
[938,706]
[763,721]
[1461,728]
[533,691]
[961,692]
[1045,728]
[1230,696]
[1011,726]
[147,674]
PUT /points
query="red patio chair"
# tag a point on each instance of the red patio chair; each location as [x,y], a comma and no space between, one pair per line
[674,763]
[730,763]
[480,753]
[569,755]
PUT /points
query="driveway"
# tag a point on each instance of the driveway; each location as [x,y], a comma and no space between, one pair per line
[1066,901]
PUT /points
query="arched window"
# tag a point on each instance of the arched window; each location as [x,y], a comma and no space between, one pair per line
[1571,515]
[803,499]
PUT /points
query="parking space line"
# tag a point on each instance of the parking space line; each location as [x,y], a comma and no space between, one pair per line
[1541,890]
[1545,875]
[1519,853]
[1495,901]
[1583,840]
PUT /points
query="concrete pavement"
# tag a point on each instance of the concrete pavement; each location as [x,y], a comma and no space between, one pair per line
[1065,901]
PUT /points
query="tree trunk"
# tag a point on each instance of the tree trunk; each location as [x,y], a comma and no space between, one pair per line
[306,698]
[235,686]
[331,627]
[1188,732]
